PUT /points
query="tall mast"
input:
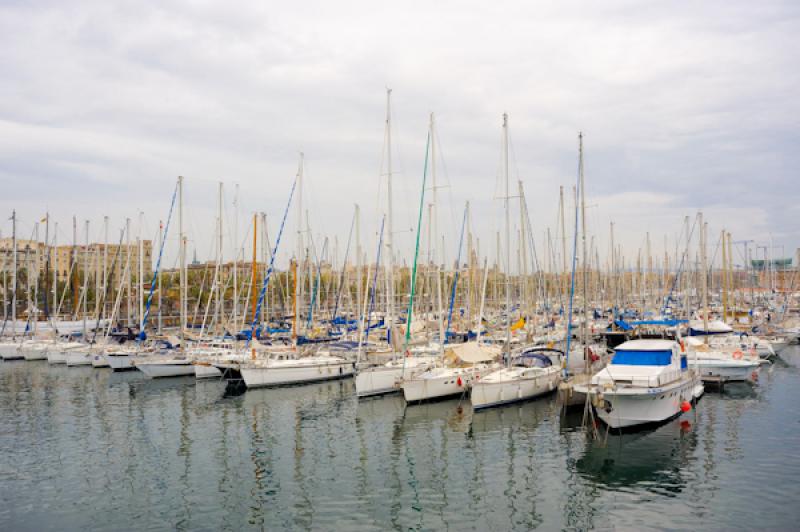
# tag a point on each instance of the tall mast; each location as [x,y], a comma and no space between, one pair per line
[563,243]
[253,273]
[524,254]
[86,278]
[389,221]
[105,260]
[704,274]
[219,308]
[74,262]
[435,234]
[585,253]
[358,258]
[182,264]
[235,257]
[140,289]
[158,279]
[506,201]
[298,272]
[128,283]
[14,273]
[54,312]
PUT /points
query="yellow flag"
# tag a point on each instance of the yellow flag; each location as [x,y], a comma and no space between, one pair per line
[519,325]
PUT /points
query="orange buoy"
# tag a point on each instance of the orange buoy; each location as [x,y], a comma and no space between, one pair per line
[459,381]
[685,406]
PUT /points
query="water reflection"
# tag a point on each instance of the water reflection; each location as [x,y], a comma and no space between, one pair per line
[89,449]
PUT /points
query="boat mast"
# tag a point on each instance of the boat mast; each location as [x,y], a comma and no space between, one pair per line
[253,273]
[86,279]
[506,200]
[235,258]
[182,264]
[585,255]
[704,274]
[14,274]
[54,312]
[158,278]
[140,291]
[358,259]
[128,283]
[105,260]
[389,222]
[295,273]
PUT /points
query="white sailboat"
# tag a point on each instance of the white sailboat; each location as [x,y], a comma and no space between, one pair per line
[178,364]
[464,364]
[524,377]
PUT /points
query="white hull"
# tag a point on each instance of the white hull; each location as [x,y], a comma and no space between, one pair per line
[442,382]
[10,351]
[255,377]
[712,369]
[377,381]
[99,361]
[78,358]
[386,379]
[650,405]
[486,394]
[203,371]
[56,356]
[35,354]
[119,361]
[166,368]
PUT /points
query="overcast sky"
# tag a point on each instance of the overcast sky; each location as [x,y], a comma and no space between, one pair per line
[684,106]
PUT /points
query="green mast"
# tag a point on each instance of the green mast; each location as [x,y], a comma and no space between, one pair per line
[416,248]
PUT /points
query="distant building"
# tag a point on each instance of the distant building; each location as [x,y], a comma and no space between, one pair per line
[34,255]
[780,265]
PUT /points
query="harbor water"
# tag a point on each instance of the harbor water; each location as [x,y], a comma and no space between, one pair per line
[87,449]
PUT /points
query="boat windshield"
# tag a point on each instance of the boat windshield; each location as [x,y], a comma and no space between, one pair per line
[642,358]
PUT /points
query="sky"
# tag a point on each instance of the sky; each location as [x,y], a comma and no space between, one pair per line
[684,106]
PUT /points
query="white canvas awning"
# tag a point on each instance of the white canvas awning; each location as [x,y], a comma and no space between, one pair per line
[473,353]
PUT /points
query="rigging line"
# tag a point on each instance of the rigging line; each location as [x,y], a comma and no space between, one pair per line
[271,266]
[344,267]
[158,265]
[409,317]
[455,279]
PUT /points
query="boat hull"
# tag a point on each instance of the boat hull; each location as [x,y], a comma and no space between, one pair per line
[160,370]
[119,361]
[35,354]
[99,361]
[78,358]
[487,394]
[715,370]
[256,377]
[206,371]
[11,352]
[56,356]
[651,406]
[428,388]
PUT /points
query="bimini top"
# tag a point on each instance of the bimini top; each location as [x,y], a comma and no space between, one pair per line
[644,353]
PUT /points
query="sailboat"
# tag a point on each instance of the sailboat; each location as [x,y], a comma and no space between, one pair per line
[524,377]
[173,365]
[386,378]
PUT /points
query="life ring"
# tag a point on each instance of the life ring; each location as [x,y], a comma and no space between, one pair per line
[738,355]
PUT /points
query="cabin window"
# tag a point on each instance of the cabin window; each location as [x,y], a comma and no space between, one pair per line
[642,358]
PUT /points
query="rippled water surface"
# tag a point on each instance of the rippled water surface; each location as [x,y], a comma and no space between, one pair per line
[85,449]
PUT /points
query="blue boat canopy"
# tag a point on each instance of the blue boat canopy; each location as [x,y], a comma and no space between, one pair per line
[643,358]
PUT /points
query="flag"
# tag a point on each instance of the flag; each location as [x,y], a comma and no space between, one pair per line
[519,325]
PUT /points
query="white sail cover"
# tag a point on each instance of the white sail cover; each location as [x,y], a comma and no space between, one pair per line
[473,352]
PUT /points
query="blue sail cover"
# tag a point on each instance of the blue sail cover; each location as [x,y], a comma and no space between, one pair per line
[643,358]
